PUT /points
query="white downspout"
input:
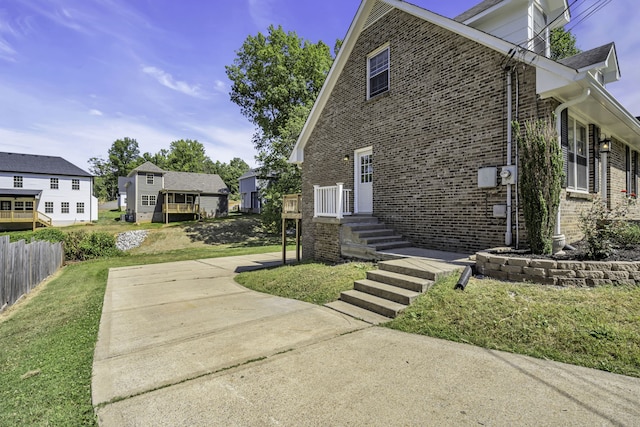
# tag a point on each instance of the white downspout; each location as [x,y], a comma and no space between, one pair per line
[508,237]
[559,240]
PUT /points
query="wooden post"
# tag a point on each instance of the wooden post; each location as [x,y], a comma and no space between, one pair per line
[166,208]
[284,241]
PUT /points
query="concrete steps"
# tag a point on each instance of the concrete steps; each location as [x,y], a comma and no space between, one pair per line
[364,236]
[392,288]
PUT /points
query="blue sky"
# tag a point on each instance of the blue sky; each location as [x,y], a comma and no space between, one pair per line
[75,75]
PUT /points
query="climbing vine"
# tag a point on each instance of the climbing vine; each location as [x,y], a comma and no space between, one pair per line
[541,174]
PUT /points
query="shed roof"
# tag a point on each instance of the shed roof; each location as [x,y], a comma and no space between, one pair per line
[32,163]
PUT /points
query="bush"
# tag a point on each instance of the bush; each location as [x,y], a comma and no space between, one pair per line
[81,246]
[541,176]
[52,235]
[603,228]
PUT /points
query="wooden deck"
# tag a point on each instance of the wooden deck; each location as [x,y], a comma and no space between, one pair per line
[25,217]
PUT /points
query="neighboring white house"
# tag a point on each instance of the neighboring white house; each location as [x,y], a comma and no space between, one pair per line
[44,190]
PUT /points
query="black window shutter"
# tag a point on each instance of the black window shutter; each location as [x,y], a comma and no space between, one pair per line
[628,168]
[564,143]
[595,138]
[634,182]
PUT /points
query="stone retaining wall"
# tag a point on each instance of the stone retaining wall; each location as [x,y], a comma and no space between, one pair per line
[559,273]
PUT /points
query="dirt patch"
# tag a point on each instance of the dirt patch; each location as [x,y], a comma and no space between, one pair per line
[626,253]
[235,230]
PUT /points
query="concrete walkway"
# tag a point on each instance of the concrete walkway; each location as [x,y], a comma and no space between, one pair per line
[181,344]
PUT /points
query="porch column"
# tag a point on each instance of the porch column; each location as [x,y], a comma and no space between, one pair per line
[340,201]
[166,207]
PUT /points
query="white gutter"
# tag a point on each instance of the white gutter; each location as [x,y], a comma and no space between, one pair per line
[559,240]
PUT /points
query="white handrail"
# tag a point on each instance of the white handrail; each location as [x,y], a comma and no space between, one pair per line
[331,201]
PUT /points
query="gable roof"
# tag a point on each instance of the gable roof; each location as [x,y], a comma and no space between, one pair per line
[553,79]
[31,163]
[257,173]
[477,9]
[603,58]
[146,167]
[194,182]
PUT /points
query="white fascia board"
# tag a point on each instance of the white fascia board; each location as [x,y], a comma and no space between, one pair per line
[297,155]
[614,106]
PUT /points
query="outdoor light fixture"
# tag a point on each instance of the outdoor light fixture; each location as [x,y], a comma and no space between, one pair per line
[605,145]
[346,158]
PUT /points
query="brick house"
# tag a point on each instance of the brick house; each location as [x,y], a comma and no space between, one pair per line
[412,127]
[156,195]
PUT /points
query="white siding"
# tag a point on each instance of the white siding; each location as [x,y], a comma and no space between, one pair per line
[64,193]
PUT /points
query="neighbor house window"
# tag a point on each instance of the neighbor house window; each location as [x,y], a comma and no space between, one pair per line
[80,207]
[5,205]
[18,206]
[53,183]
[150,178]
[48,207]
[378,72]
[28,206]
[148,200]
[64,207]
[578,156]
[75,184]
[17,182]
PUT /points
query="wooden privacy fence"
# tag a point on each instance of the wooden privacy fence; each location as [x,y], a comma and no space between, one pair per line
[24,265]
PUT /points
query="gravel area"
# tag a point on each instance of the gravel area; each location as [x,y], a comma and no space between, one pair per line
[130,239]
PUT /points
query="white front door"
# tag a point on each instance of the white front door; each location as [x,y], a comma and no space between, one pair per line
[363,180]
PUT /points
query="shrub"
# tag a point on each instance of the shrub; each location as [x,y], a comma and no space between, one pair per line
[603,228]
[541,176]
[81,246]
[52,235]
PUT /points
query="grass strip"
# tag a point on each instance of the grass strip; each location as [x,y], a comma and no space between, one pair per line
[48,341]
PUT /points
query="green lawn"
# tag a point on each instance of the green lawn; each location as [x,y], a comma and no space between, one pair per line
[593,327]
[48,341]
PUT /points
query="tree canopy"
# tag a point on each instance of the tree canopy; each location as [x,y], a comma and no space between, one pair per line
[184,155]
[563,44]
[275,81]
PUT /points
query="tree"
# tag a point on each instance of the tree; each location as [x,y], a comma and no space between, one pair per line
[275,80]
[563,44]
[123,157]
[159,159]
[186,155]
[230,173]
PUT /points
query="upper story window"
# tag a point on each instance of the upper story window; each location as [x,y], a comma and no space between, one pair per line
[540,31]
[75,184]
[150,178]
[577,156]
[17,182]
[378,72]
[53,183]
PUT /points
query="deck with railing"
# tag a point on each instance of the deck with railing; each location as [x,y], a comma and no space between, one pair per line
[180,208]
[33,217]
[331,201]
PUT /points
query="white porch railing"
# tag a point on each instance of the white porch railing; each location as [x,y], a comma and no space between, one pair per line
[332,201]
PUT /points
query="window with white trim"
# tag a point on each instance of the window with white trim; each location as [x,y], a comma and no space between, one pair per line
[64,207]
[75,184]
[150,179]
[80,207]
[148,200]
[17,182]
[48,207]
[54,184]
[378,72]
[577,156]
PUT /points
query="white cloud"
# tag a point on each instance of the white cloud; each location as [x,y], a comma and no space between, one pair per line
[167,80]
[94,112]
[220,86]
[263,13]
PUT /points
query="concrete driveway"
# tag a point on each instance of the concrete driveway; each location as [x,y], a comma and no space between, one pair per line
[182,344]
